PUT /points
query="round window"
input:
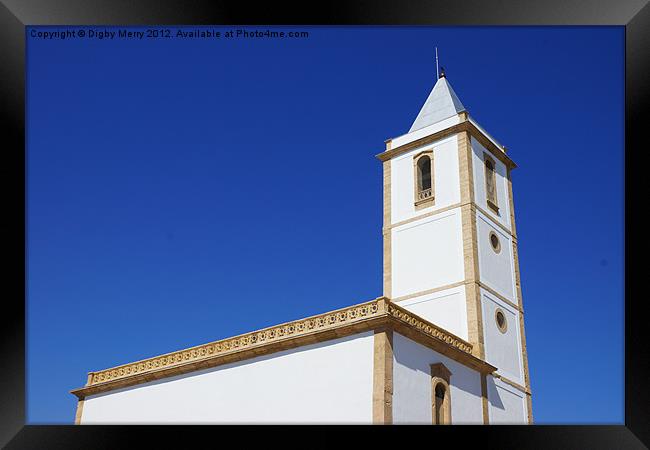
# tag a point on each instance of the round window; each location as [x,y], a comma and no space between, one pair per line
[502,323]
[494,242]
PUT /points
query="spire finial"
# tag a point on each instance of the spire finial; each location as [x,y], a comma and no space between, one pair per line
[437,72]
[442,73]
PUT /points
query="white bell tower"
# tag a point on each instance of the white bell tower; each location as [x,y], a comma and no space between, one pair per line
[450,243]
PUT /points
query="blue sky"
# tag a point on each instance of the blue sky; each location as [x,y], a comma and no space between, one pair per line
[178,191]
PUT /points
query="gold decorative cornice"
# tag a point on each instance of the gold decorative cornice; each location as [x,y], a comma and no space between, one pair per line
[428,328]
[466,125]
[334,324]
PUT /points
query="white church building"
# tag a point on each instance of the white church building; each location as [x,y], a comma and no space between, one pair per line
[445,344]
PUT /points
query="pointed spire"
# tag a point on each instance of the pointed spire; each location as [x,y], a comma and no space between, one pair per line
[441,104]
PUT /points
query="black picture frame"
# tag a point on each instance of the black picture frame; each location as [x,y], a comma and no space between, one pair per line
[15,15]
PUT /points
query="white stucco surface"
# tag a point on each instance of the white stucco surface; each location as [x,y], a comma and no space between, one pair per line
[446,179]
[412,385]
[330,382]
[502,350]
[496,270]
[446,308]
[506,404]
[427,253]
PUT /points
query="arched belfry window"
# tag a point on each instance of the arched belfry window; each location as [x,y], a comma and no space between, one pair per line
[491,183]
[440,394]
[424,174]
[423,166]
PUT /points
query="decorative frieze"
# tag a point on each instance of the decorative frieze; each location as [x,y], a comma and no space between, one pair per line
[428,328]
[376,314]
[257,338]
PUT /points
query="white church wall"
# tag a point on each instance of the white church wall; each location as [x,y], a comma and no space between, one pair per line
[329,382]
[502,349]
[495,269]
[506,404]
[412,385]
[478,169]
[446,179]
[423,132]
[427,253]
[446,308]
